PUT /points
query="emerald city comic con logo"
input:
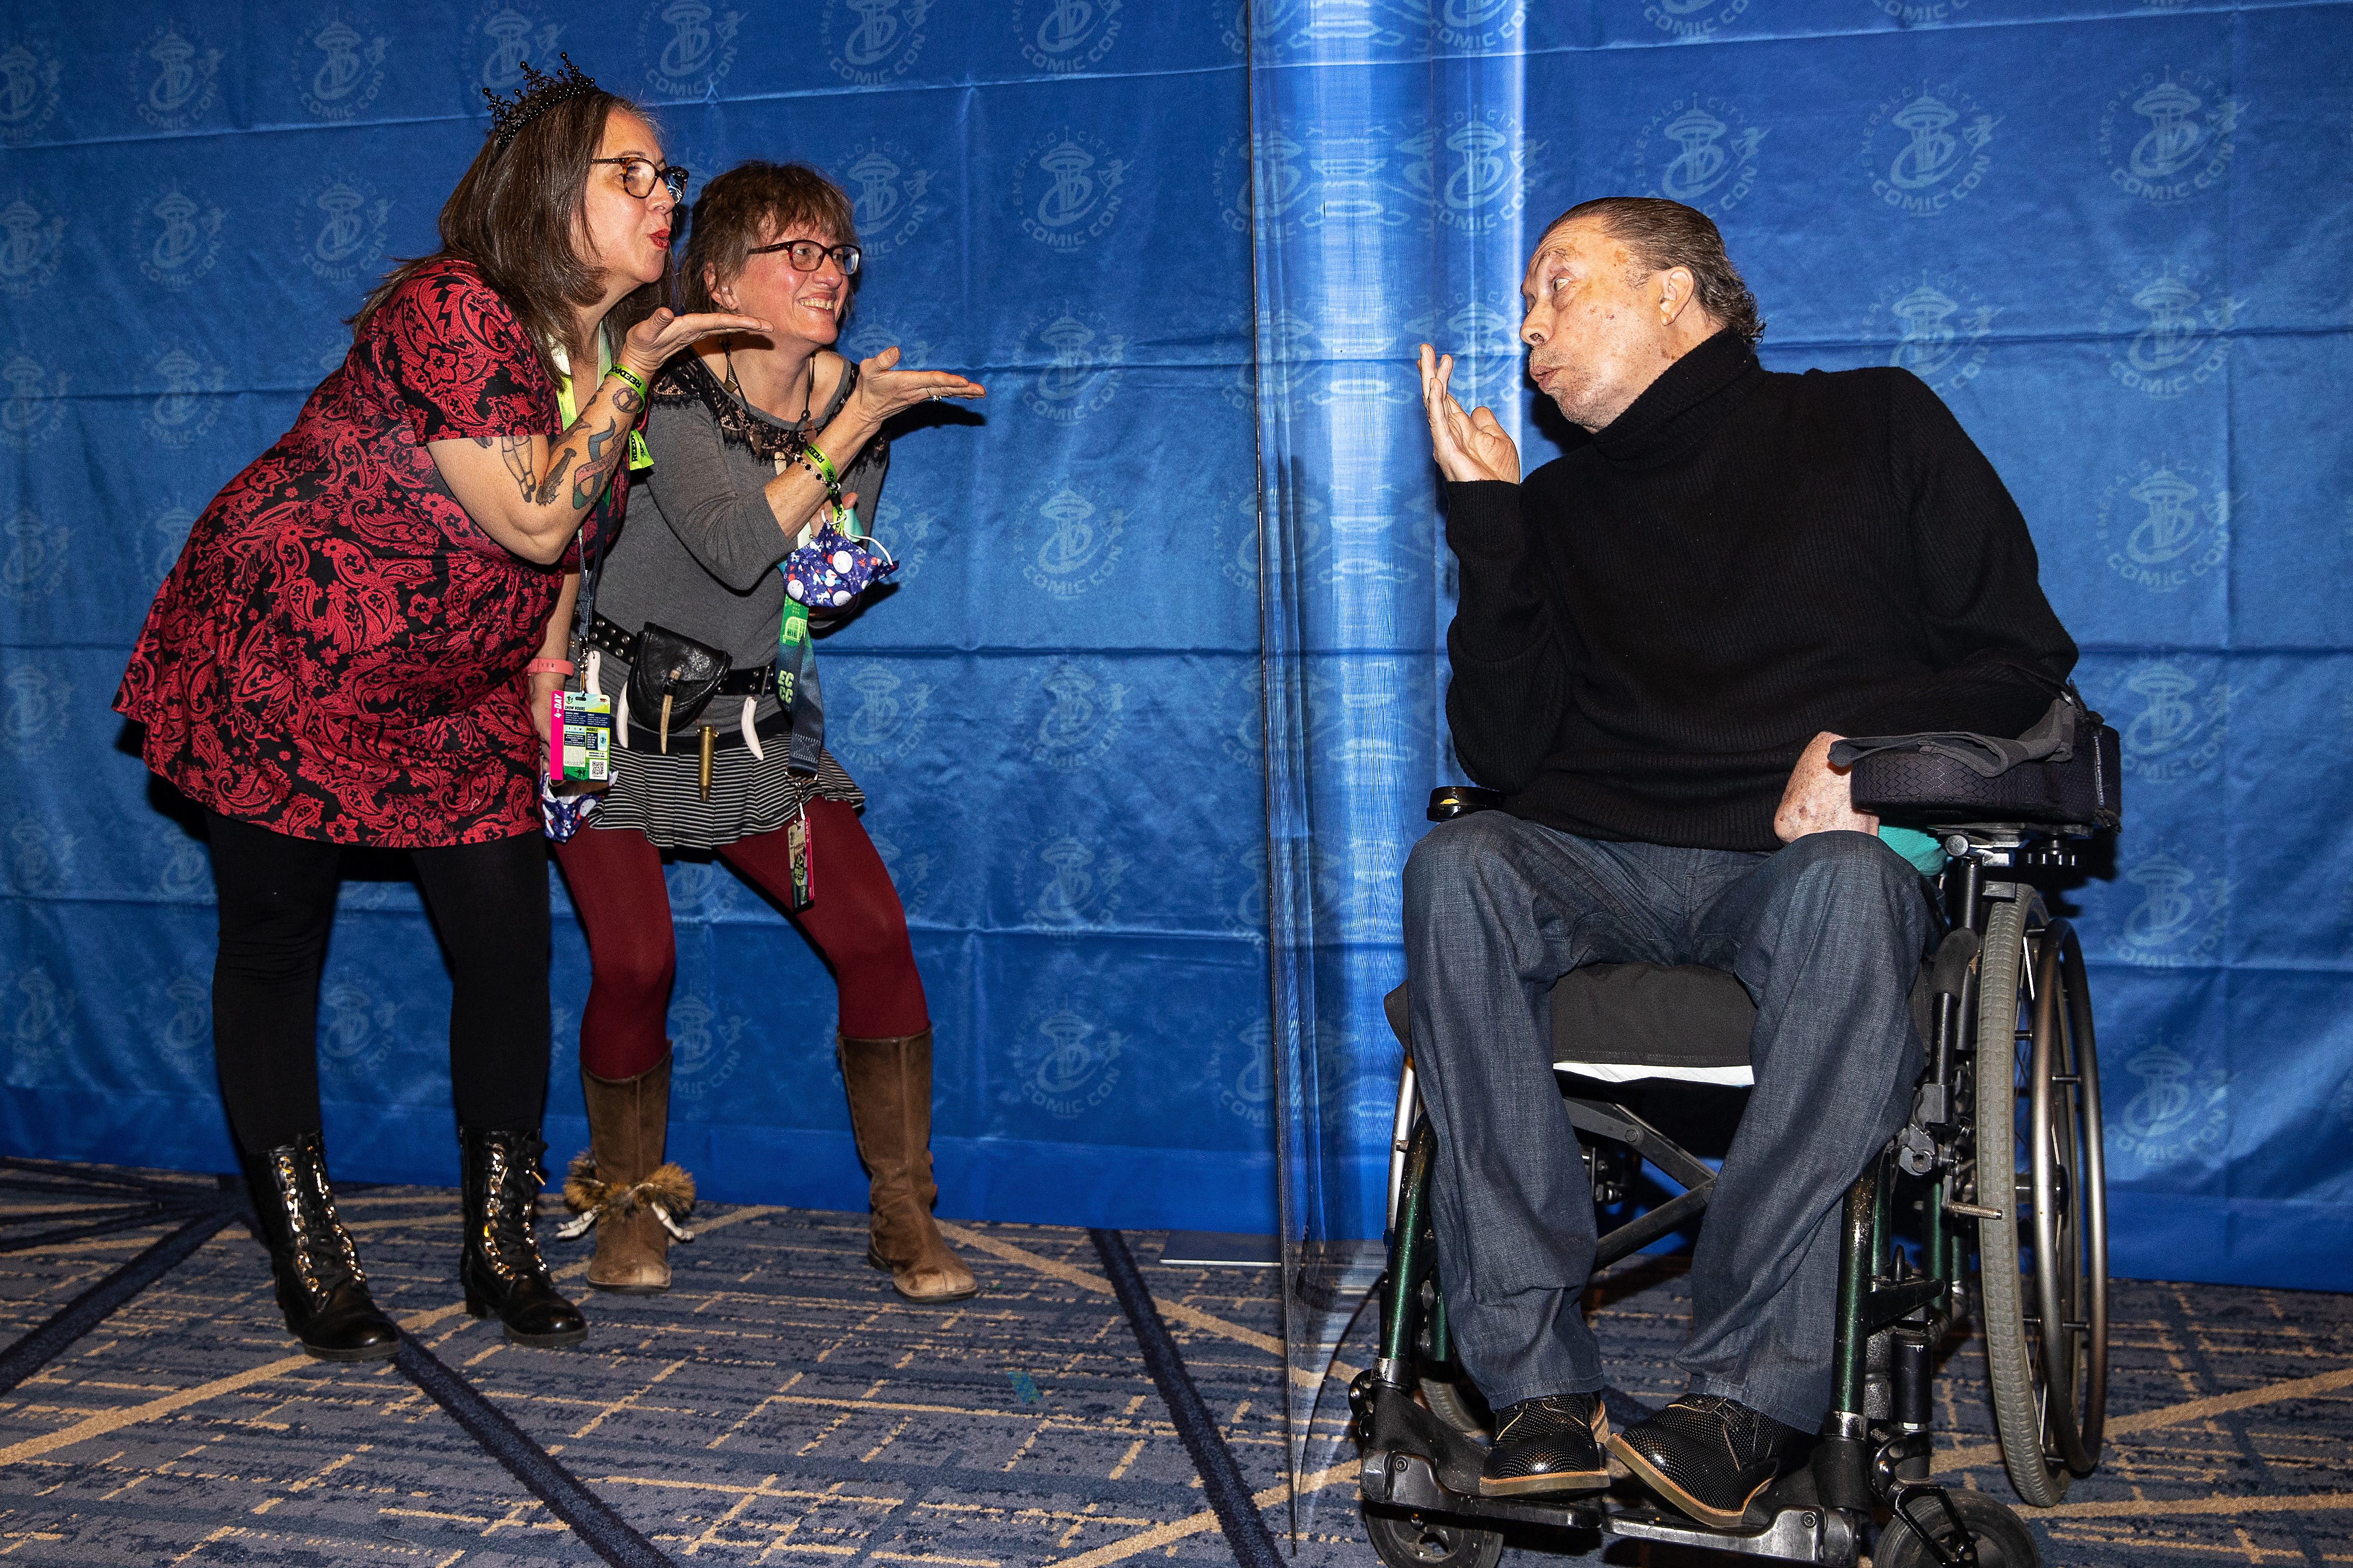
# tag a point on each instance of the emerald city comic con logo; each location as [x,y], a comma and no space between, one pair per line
[870,42]
[32,243]
[2181,726]
[39,855]
[1473,168]
[2181,1110]
[340,226]
[688,47]
[2167,135]
[502,38]
[2183,911]
[891,195]
[338,71]
[1076,884]
[891,717]
[1944,328]
[1700,151]
[1063,35]
[2166,523]
[1070,189]
[1082,373]
[1925,149]
[37,710]
[1067,1063]
[32,557]
[1079,548]
[175,79]
[1075,713]
[186,410]
[178,236]
[28,93]
[2172,330]
[35,405]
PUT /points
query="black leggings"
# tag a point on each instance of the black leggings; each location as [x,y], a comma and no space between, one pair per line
[488,903]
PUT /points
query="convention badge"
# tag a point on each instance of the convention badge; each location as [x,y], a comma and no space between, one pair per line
[580,736]
[798,853]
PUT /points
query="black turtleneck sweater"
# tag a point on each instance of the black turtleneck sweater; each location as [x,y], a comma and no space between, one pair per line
[1651,628]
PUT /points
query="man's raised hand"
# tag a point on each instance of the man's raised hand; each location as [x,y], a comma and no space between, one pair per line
[1467,447]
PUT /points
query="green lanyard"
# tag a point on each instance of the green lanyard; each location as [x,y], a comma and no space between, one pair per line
[639,459]
[795,658]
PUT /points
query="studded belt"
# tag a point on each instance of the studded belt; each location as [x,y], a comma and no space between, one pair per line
[609,638]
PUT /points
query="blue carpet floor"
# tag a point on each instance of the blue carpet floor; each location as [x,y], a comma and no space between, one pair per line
[780,1405]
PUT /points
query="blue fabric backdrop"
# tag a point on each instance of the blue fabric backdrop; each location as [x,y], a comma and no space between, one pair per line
[1054,716]
[2114,238]
[1190,247]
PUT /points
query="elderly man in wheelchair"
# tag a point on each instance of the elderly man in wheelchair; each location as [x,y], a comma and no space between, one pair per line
[1741,671]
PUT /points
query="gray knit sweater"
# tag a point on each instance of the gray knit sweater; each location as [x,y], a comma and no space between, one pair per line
[700,550]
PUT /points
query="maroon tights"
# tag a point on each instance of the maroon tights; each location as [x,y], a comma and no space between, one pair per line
[856,925]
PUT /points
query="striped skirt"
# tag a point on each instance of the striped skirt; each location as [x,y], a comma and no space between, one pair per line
[660,795]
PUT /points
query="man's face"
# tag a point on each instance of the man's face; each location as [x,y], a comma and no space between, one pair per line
[1594,325]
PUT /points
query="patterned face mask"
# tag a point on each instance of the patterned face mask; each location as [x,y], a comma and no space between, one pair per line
[833,568]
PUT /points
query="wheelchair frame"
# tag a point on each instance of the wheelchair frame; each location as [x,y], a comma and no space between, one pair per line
[1420,1471]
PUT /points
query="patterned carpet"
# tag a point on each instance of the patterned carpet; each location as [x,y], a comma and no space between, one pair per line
[780,1405]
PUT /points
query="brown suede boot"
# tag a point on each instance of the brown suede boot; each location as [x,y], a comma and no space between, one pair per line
[890,1084]
[622,1187]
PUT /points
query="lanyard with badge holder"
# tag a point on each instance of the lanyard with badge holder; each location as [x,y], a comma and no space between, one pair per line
[825,571]
[580,719]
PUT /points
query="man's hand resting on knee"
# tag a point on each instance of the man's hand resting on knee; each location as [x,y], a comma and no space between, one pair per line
[1817,798]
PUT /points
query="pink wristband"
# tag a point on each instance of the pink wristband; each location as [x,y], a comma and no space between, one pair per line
[548,666]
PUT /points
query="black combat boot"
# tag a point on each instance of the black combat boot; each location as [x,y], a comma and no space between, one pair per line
[321,1287]
[499,1265]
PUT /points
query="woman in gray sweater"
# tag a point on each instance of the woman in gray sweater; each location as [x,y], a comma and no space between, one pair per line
[756,444]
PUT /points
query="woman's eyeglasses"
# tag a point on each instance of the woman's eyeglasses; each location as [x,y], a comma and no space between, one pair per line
[808,255]
[637,177]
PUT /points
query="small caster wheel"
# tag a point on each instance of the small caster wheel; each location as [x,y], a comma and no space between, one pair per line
[1405,1538]
[2002,1542]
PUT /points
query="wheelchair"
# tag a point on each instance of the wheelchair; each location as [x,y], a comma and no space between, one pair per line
[2000,1158]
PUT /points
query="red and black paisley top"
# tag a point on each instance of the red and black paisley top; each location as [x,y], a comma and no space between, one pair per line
[339,652]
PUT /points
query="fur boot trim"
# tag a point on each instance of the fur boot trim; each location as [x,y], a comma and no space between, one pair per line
[669,1193]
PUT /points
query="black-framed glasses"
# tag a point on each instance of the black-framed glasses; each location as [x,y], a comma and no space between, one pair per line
[808,255]
[639,174]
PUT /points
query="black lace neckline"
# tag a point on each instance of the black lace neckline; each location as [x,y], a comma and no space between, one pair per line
[688,380]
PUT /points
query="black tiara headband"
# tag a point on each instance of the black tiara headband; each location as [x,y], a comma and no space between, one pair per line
[539,93]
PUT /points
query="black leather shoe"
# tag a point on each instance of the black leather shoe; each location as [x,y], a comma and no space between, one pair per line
[1707,1454]
[499,1265]
[1549,1445]
[321,1287]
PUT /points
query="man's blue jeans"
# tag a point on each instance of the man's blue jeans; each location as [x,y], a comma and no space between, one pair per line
[1826,934]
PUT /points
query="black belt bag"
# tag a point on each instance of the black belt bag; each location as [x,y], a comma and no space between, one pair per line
[672,678]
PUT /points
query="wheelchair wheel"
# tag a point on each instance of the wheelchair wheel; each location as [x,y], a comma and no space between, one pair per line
[2043,1262]
[1458,1401]
[1407,1539]
[2002,1542]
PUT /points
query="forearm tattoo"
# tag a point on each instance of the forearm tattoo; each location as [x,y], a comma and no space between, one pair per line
[553,485]
[514,451]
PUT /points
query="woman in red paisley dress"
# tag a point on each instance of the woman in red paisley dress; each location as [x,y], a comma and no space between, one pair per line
[353,642]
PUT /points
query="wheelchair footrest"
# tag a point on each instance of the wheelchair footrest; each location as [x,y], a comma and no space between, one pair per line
[1793,1535]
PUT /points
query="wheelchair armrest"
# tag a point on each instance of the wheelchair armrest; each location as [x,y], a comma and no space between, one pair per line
[1447,802]
[2076,797]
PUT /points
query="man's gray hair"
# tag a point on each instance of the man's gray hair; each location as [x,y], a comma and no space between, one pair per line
[1663,235]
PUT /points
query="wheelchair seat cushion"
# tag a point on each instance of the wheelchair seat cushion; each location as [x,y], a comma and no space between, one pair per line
[1637,1014]
[1651,1015]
